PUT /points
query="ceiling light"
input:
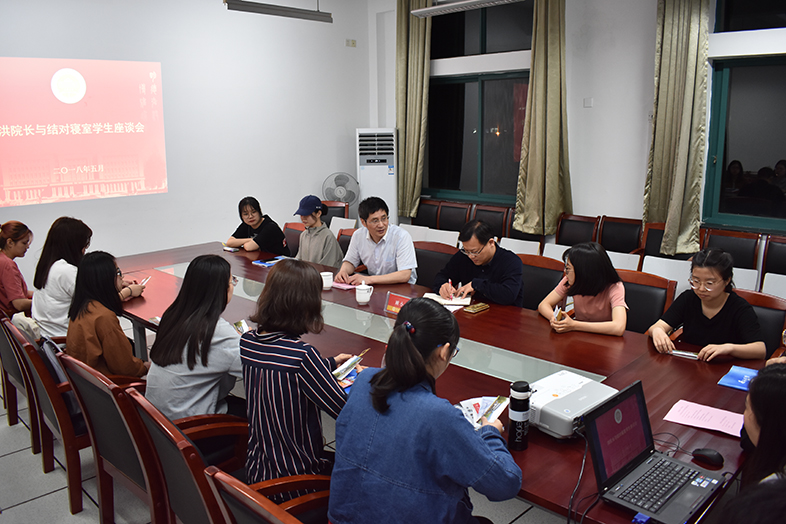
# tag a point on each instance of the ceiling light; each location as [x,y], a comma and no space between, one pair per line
[457,7]
[279,10]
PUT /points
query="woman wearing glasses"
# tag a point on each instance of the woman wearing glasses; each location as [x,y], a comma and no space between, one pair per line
[94,333]
[196,355]
[257,231]
[598,294]
[401,450]
[712,315]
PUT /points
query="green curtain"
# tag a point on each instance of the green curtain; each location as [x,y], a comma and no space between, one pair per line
[543,191]
[672,193]
[413,53]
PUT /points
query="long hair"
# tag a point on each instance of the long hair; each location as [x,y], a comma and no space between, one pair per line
[767,391]
[191,319]
[718,260]
[13,230]
[95,280]
[410,347]
[66,240]
[593,270]
[292,299]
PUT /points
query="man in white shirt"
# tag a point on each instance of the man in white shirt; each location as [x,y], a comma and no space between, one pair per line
[386,250]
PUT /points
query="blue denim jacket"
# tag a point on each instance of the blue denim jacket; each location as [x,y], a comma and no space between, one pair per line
[414,462]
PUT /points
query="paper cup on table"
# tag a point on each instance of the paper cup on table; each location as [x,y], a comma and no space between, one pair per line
[327,279]
[363,293]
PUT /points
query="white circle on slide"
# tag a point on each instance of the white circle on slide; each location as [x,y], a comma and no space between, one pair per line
[618,416]
[68,86]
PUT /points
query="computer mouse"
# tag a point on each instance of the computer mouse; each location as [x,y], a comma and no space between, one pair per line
[708,456]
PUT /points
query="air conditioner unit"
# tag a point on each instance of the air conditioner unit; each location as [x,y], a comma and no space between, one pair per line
[377,167]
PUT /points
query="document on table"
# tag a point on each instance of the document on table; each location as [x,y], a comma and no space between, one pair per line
[706,417]
[455,301]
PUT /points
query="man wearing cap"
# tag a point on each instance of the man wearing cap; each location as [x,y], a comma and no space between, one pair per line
[385,249]
[317,242]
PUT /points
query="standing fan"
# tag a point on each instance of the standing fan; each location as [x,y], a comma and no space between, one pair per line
[341,187]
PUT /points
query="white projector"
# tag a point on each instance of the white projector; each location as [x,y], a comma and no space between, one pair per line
[559,400]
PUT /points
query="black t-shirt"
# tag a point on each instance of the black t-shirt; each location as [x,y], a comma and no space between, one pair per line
[735,323]
[268,236]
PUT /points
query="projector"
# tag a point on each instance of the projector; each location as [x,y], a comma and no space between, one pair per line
[559,400]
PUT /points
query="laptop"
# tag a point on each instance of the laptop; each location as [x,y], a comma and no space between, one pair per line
[631,474]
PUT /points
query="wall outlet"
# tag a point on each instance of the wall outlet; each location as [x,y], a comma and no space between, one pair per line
[351,43]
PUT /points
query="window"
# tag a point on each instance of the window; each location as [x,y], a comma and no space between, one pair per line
[747,15]
[476,117]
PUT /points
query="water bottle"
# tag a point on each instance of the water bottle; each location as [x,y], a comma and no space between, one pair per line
[518,412]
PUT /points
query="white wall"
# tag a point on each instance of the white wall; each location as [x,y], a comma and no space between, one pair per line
[610,59]
[253,105]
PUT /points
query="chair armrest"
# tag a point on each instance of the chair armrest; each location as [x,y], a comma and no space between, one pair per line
[676,334]
[125,382]
[63,387]
[199,420]
[295,482]
[361,268]
[778,352]
[56,340]
[305,503]
[637,251]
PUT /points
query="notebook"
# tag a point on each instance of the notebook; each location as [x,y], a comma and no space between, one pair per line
[623,453]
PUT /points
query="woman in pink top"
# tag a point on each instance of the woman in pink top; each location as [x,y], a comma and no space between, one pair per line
[597,291]
[15,239]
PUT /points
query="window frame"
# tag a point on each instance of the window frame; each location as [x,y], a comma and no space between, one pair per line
[478,196]
[719,105]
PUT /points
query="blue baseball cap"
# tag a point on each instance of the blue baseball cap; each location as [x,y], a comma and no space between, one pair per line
[308,205]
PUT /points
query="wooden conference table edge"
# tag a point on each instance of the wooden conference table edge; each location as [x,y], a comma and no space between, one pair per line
[550,466]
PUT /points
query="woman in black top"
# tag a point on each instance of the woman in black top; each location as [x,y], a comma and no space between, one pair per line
[257,231]
[712,315]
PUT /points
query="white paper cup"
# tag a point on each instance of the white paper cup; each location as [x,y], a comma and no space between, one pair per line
[327,279]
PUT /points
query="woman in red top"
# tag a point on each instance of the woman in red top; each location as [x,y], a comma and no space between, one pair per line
[15,239]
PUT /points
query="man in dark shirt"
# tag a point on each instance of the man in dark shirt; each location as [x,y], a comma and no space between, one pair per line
[482,268]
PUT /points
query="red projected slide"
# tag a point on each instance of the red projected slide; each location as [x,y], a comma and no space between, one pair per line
[79,129]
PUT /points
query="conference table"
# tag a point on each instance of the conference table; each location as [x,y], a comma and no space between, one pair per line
[498,345]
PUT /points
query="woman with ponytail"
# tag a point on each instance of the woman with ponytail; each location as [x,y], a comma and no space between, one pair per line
[403,451]
[15,239]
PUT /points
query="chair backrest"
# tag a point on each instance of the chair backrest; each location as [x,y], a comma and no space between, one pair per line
[453,215]
[515,233]
[292,232]
[774,284]
[520,247]
[574,229]
[9,360]
[673,269]
[344,236]
[334,209]
[624,260]
[554,251]
[540,276]
[428,211]
[449,238]
[495,216]
[113,444]
[771,311]
[418,233]
[647,296]
[241,504]
[181,462]
[743,247]
[620,235]
[651,240]
[339,223]
[432,257]
[775,255]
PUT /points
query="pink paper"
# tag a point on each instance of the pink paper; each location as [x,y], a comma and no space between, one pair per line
[341,285]
[706,417]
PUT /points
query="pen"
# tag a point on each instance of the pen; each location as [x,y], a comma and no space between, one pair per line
[450,283]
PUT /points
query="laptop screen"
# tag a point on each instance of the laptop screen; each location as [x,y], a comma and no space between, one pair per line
[619,434]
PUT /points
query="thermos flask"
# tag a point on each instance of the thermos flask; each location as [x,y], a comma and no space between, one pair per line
[518,412]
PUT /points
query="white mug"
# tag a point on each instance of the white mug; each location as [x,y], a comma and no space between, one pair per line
[327,279]
[363,293]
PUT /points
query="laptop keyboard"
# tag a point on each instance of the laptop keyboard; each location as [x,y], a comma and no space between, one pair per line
[653,489]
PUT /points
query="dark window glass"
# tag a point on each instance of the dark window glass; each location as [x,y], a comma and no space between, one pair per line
[453,136]
[504,104]
[754,156]
[498,29]
[748,15]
